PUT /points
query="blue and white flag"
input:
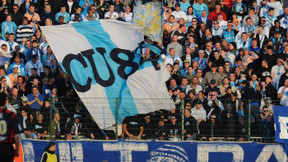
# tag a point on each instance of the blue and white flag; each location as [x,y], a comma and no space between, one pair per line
[101,61]
[281,121]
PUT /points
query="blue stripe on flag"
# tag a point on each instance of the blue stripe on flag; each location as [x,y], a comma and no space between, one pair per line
[97,37]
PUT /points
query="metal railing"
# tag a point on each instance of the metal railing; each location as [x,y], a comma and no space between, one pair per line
[225,121]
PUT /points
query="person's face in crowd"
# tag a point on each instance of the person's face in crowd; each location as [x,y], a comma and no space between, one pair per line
[76,18]
[276,35]
[246,52]
[25,22]
[231,47]
[32,9]
[268,80]
[226,81]
[40,118]
[54,91]
[61,20]
[195,80]
[90,13]
[173,83]
[239,1]
[11,38]
[191,39]
[172,52]
[200,1]
[127,9]
[216,24]
[177,8]
[187,113]
[201,54]
[263,21]
[186,65]
[173,120]
[190,70]
[232,77]
[169,68]
[188,106]
[53,148]
[35,82]
[20,80]
[188,51]
[199,73]
[182,95]
[202,26]
[171,19]
[277,24]
[271,13]
[190,11]
[270,51]
[217,8]
[78,10]
[254,43]
[183,29]
[35,44]
[57,116]
[198,106]
[207,32]
[249,22]
[33,71]
[47,104]
[34,91]
[176,67]
[181,21]
[213,69]
[77,120]
[216,55]
[229,26]
[15,9]
[4,48]
[111,8]
[8,18]
[264,63]
[194,21]
[221,69]
[2,72]
[251,12]
[195,64]
[34,60]
[286,10]
[244,37]
[279,62]
[15,92]
[161,123]
[15,70]
[220,17]
[174,38]
[265,111]
[63,9]
[286,83]
[254,77]
[23,113]
[204,14]
[38,33]
[237,70]
[184,82]
[47,8]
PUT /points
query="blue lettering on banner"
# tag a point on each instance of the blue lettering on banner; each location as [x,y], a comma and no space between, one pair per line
[281,121]
[143,151]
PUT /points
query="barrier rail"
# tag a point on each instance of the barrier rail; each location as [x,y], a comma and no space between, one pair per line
[219,120]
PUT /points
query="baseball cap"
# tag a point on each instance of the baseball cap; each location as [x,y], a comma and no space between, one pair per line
[213,81]
[15,66]
[198,102]
[213,65]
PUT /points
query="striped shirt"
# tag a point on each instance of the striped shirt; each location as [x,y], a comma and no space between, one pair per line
[24,31]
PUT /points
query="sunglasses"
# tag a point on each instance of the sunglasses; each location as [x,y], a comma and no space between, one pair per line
[15,8]
[265,111]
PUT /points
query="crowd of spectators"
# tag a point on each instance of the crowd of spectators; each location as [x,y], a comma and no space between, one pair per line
[223,55]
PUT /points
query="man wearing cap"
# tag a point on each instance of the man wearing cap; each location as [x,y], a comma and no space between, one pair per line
[21,69]
[213,74]
[34,64]
[199,114]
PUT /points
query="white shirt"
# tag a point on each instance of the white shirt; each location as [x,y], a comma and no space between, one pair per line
[70,4]
[284,98]
[277,72]
[114,15]
[38,65]
[198,113]
[278,9]
[127,18]
[197,89]
[180,14]
[170,60]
